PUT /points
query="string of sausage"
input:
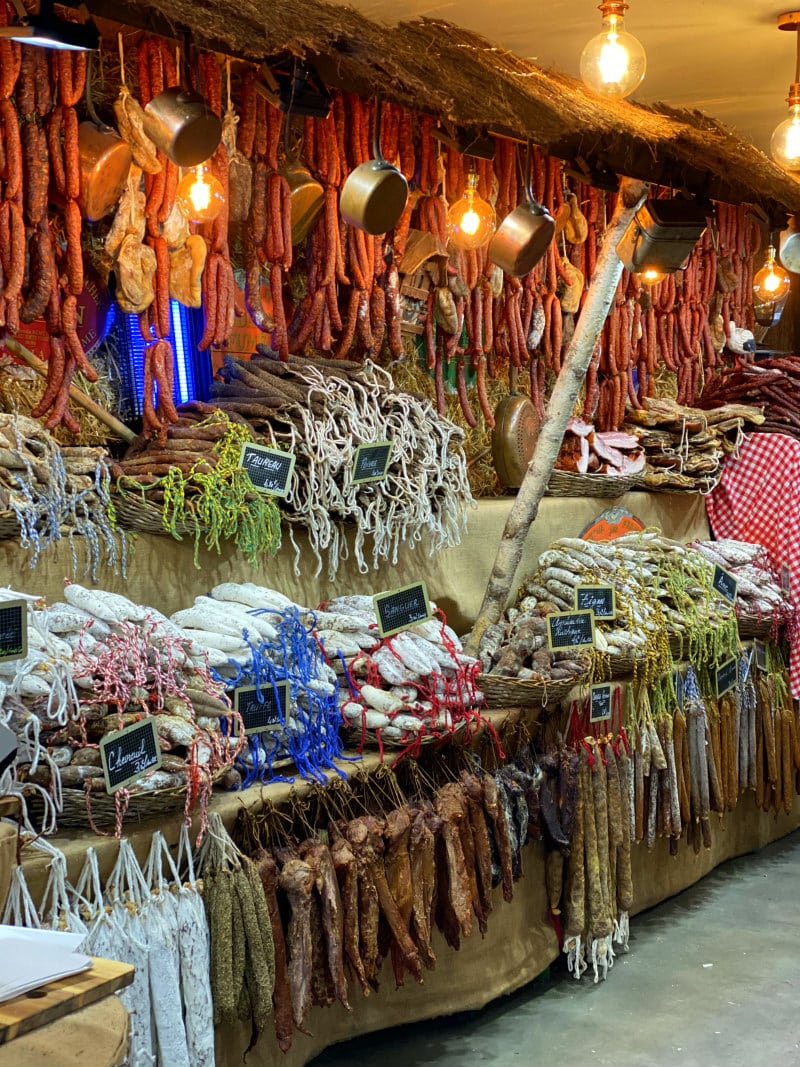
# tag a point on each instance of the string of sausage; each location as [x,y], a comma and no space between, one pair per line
[157,70]
[219,288]
[253,119]
[318,316]
[52,292]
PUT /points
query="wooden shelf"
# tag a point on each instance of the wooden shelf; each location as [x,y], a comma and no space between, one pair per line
[57,999]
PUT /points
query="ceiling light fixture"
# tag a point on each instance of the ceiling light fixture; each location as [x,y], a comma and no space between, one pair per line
[47,30]
[471,220]
[785,142]
[772,282]
[613,63]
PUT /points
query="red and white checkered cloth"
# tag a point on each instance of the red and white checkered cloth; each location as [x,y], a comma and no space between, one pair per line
[758,500]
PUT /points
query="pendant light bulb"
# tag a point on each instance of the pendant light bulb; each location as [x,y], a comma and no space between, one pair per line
[471,220]
[614,62]
[200,195]
[772,282]
[651,276]
[784,145]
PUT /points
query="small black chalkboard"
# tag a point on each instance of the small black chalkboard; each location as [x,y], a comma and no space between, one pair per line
[760,651]
[600,708]
[725,583]
[570,629]
[400,608]
[372,461]
[128,754]
[13,629]
[726,676]
[262,708]
[270,469]
[602,599]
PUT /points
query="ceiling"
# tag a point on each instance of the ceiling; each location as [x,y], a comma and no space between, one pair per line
[727,59]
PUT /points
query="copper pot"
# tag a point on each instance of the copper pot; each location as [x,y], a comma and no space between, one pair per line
[105,160]
[182,125]
[524,234]
[375,194]
[307,199]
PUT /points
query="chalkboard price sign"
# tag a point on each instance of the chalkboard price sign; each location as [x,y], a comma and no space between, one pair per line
[262,708]
[760,651]
[372,462]
[602,599]
[270,469]
[725,583]
[570,629]
[128,754]
[400,608]
[13,629]
[600,708]
[726,676]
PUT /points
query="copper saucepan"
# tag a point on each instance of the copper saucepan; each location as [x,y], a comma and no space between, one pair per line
[375,193]
[105,161]
[181,124]
[524,234]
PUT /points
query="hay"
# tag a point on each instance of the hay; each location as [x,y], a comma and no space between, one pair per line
[411,375]
[21,388]
[432,66]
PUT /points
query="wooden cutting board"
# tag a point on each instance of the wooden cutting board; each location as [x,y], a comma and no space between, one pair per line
[56,999]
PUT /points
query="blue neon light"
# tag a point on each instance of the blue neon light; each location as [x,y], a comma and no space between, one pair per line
[180,337]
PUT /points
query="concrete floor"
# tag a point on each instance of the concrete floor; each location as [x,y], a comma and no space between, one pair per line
[711,980]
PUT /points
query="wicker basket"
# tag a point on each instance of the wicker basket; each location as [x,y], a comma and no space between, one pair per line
[516,692]
[133,513]
[565,483]
[101,807]
[752,626]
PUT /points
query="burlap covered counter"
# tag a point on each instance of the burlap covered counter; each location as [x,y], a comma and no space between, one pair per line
[161,572]
[520,943]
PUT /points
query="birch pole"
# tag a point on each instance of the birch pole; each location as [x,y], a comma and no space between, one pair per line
[559,411]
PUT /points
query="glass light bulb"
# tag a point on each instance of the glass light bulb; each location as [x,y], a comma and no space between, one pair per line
[471,220]
[613,62]
[650,276]
[200,195]
[785,142]
[772,282]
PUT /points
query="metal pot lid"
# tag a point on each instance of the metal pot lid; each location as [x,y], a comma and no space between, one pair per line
[514,439]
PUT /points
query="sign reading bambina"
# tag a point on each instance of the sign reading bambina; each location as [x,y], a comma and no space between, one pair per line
[270,469]
[129,753]
[13,629]
[602,599]
[262,707]
[400,608]
[570,629]
[372,462]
